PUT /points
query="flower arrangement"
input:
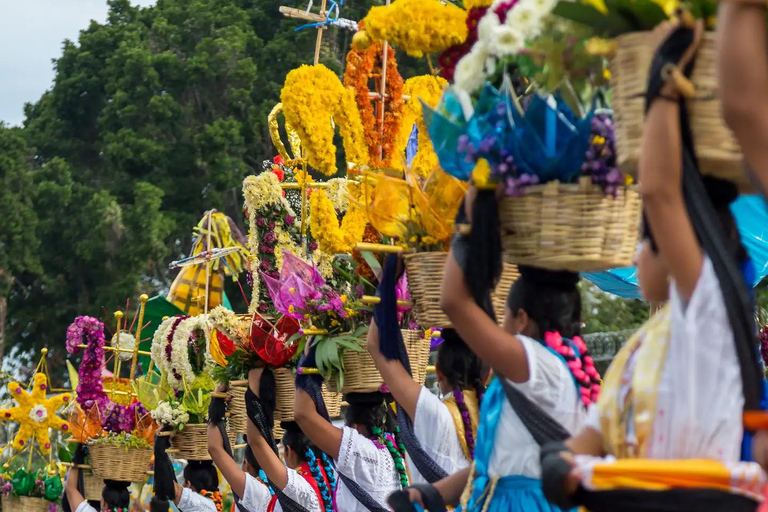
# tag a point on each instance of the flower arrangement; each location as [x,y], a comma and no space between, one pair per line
[35,413]
[334,319]
[312,97]
[417,26]
[451,56]
[273,230]
[425,89]
[361,65]
[23,482]
[499,143]
[180,350]
[332,237]
[125,440]
[84,331]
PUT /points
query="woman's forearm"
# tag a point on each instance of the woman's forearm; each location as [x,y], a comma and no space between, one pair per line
[452,487]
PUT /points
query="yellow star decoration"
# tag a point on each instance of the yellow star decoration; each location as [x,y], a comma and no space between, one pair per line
[35,414]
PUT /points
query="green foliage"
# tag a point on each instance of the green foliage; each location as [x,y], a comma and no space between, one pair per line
[330,352]
[606,313]
[238,365]
[621,17]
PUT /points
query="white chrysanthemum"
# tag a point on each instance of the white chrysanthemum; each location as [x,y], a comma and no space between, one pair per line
[167,415]
[38,413]
[525,18]
[543,7]
[505,41]
[486,26]
[469,74]
[127,342]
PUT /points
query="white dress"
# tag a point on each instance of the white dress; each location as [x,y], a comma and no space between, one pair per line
[193,502]
[700,399]
[436,431]
[551,386]
[257,497]
[372,468]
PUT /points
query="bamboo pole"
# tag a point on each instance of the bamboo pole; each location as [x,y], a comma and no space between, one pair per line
[144,298]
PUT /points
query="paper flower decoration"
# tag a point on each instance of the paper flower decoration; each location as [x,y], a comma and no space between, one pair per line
[35,413]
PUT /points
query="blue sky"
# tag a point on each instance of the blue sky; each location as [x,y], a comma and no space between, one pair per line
[31,34]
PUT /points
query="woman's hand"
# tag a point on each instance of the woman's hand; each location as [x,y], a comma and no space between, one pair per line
[760,448]
[372,341]
[575,477]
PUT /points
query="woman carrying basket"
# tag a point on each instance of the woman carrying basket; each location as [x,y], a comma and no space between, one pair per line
[675,391]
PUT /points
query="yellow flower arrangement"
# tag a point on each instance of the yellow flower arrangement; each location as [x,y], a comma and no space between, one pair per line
[332,238]
[35,413]
[473,4]
[312,98]
[429,89]
[418,26]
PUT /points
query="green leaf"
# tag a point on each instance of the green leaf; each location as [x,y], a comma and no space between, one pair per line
[372,262]
[74,378]
[64,454]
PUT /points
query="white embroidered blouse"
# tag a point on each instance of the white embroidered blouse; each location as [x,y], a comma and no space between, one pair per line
[257,497]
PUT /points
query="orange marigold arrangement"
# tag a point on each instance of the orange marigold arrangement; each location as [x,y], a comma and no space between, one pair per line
[362,65]
[371,236]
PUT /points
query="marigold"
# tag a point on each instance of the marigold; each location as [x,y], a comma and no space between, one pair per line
[418,26]
[473,4]
[312,97]
[429,89]
[332,238]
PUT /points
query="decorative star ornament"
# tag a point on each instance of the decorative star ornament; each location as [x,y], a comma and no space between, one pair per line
[35,413]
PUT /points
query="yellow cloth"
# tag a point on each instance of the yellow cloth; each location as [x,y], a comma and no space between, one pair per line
[650,343]
[470,398]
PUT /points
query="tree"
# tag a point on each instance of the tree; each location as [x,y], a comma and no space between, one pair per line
[604,312]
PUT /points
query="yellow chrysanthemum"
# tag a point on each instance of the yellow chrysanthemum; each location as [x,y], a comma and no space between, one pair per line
[313,98]
[418,26]
[332,238]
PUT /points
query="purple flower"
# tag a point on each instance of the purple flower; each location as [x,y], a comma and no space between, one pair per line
[289,220]
[764,344]
[269,238]
[263,308]
[271,225]
[261,221]
[313,246]
[435,341]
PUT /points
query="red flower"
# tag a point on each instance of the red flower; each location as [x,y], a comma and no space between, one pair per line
[278,160]
[279,172]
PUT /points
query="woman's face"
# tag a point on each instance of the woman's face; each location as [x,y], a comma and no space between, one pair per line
[652,274]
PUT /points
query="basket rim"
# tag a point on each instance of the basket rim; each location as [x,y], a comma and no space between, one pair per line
[570,187]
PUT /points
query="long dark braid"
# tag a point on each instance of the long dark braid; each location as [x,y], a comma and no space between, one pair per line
[329,471]
[463,370]
[399,454]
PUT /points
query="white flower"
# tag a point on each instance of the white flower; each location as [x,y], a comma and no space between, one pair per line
[38,413]
[127,342]
[486,26]
[167,415]
[469,74]
[505,41]
[525,18]
[544,7]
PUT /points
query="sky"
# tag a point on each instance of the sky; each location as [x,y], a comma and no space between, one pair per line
[31,35]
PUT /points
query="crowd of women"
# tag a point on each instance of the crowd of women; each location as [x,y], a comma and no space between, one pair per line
[522,413]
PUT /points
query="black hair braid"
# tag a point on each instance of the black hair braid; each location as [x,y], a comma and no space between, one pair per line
[300,444]
[552,307]
[330,474]
[484,272]
[116,495]
[202,475]
[314,467]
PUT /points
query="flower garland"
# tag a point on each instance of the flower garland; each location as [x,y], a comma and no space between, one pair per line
[361,66]
[312,97]
[122,419]
[165,414]
[159,341]
[214,496]
[450,57]
[427,89]
[418,26]
[179,370]
[272,230]
[127,342]
[332,238]
[90,389]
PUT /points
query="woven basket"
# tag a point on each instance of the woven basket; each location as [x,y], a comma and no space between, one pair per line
[191,443]
[332,402]
[92,487]
[570,227]
[238,418]
[121,464]
[418,353]
[285,386]
[718,152]
[277,431]
[360,374]
[25,504]
[425,281]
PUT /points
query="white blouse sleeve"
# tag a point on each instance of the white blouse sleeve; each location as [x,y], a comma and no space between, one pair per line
[300,491]
[593,418]
[192,502]
[84,507]
[357,458]
[256,497]
[436,431]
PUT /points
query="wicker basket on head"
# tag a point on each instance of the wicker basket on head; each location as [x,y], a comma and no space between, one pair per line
[332,402]
[121,464]
[572,227]
[285,384]
[425,281]
[360,374]
[25,504]
[718,152]
[191,443]
[238,417]
[92,487]
[418,353]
